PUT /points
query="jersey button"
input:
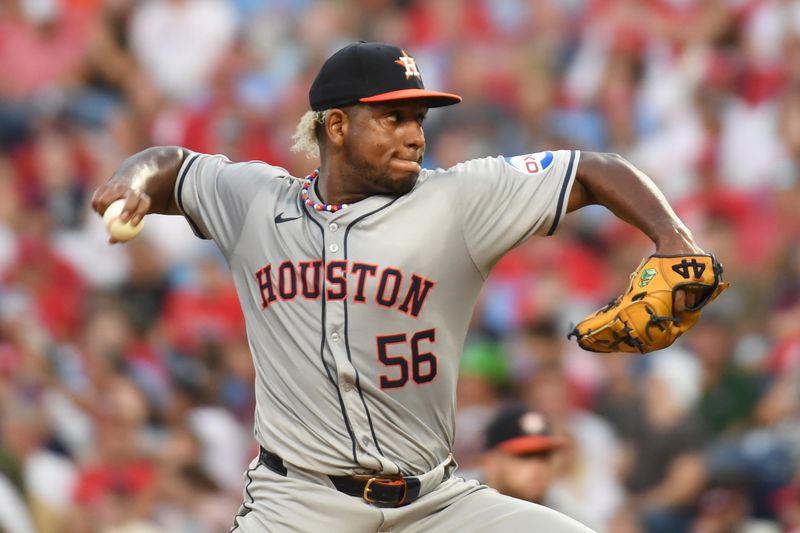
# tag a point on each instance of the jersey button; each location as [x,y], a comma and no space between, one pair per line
[334,226]
[335,337]
[347,387]
[365,441]
[334,248]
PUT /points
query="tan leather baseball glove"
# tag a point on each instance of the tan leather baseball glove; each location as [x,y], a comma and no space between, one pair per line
[642,320]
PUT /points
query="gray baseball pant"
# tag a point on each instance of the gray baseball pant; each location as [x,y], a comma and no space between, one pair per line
[305,502]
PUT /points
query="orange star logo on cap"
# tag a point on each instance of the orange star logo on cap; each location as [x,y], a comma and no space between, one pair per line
[410,65]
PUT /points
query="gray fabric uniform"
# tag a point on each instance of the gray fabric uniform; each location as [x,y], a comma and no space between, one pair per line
[356,319]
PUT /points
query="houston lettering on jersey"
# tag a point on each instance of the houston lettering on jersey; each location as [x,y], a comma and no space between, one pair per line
[343,279]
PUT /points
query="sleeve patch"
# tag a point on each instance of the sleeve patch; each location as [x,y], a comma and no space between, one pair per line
[531,163]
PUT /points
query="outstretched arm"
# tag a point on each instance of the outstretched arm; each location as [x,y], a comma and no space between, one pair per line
[146,181]
[610,180]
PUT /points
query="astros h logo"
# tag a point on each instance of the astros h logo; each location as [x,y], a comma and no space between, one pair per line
[410,65]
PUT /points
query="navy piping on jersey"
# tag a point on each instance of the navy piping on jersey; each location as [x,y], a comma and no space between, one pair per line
[346,327]
[323,300]
[179,197]
[563,193]
[245,508]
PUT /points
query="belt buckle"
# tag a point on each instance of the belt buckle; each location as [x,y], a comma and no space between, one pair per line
[387,481]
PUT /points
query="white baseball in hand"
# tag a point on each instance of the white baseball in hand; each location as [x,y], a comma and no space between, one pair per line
[119,230]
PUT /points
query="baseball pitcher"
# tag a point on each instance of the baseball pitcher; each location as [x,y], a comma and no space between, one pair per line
[358,282]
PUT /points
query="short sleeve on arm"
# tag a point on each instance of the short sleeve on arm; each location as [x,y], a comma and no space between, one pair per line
[505,200]
[215,194]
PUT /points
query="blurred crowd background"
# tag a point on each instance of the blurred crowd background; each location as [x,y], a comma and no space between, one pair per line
[126,387]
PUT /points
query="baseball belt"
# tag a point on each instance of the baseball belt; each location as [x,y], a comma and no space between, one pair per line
[378,490]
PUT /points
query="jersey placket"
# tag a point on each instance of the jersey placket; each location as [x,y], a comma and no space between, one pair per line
[335,229]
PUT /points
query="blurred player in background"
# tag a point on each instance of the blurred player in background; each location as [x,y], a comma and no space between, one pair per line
[522,460]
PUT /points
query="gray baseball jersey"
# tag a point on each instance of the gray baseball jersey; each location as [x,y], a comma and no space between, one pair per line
[356,319]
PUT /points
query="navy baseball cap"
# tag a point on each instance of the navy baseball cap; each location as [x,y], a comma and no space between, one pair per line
[371,72]
[519,431]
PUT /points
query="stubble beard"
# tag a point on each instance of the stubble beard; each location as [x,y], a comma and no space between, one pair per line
[377,180]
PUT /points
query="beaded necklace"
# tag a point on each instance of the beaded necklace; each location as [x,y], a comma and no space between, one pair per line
[317,205]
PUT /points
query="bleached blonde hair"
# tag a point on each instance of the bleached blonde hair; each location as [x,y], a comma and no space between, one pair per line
[305,134]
